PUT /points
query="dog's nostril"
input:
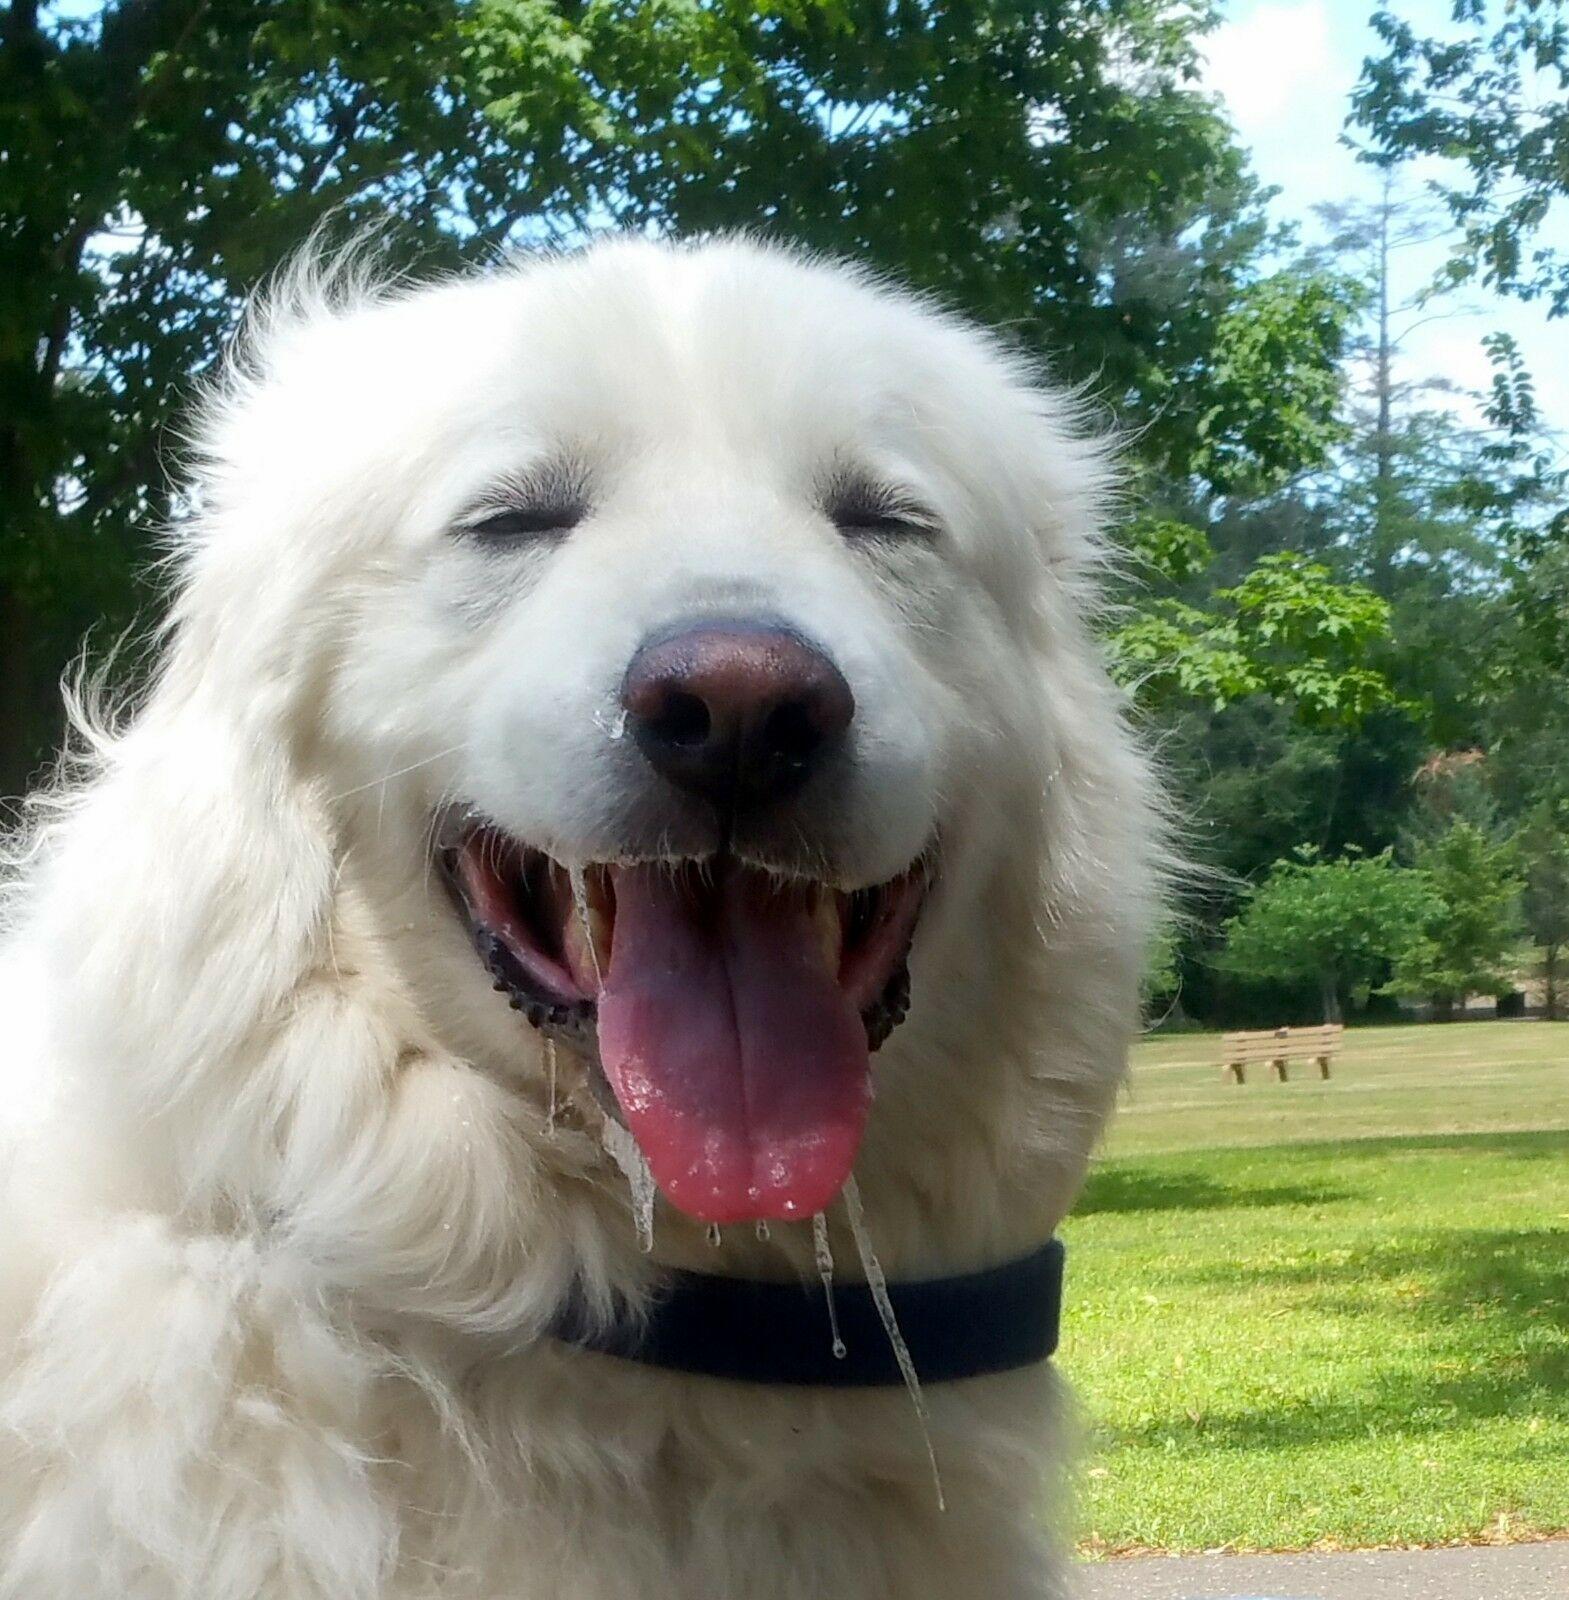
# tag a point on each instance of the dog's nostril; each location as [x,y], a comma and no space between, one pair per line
[792,730]
[683,719]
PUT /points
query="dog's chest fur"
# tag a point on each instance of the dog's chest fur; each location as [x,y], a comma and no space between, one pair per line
[186,1422]
[609,1482]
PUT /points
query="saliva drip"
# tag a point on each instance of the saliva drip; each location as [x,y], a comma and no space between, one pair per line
[825,1272]
[634,1168]
[878,1284]
[550,1071]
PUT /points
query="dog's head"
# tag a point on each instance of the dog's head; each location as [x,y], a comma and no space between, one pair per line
[689,647]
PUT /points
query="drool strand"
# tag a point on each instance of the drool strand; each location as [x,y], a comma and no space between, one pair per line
[623,1150]
[825,1273]
[871,1267]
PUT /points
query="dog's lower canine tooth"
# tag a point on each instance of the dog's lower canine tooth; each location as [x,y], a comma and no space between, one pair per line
[591,921]
[830,927]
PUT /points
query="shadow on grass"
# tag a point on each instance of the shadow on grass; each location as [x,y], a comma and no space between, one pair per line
[1178,1181]
[1535,1144]
[1490,1309]
[1135,1188]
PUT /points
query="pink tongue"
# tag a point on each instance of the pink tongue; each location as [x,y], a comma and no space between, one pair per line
[740,1063]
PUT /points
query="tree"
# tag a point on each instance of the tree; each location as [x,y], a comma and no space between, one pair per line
[1362,237]
[1342,924]
[1495,99]
[1058,170]
[161,156]
[1469,940]
[1162,980]
[1543,846]
[1287,630]
[1437,514]
[1054,169]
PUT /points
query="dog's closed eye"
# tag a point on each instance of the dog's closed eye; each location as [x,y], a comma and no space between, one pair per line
[863,507]
[510,523]
[547,503]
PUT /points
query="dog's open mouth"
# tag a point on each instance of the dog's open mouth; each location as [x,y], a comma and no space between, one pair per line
[735,1012]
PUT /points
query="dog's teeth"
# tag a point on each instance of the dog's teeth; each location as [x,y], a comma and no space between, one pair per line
[582,943]
[830,928]
[599,933]
[587,935]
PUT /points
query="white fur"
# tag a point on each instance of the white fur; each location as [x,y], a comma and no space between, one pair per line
[281,1218]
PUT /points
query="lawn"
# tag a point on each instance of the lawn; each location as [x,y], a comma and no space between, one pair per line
[1330,1314]
[1458,1077]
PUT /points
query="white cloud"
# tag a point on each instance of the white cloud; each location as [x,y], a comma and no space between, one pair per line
[1285,69]
[1454,351]
[1274,62]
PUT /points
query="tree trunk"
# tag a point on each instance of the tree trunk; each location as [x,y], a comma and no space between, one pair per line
[1384,394]
[1329,992]
[1550,982]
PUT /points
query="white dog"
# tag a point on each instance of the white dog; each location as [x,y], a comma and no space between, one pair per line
[602,698]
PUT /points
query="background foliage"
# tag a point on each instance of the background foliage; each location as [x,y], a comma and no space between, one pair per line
[1343,610]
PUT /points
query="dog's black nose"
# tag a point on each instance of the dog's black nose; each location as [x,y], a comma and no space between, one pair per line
[739,713]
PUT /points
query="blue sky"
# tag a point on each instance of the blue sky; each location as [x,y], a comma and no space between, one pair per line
[1285,69]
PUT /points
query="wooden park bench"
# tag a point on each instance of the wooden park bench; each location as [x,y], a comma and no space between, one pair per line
[1278,1046]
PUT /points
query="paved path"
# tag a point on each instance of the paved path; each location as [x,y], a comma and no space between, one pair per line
[1513,1572]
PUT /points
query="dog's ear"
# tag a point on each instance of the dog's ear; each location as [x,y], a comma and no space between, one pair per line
[185,884]
[183,892]
[202,818]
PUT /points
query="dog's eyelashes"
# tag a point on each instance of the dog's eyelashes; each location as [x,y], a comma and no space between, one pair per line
[543,503]
[872,511]
[515,524]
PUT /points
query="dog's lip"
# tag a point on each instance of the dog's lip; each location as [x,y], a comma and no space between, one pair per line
[489,874]
[556,985]
[730,1012]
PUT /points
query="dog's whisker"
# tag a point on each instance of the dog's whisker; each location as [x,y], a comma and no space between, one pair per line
[402,772]
[431,831]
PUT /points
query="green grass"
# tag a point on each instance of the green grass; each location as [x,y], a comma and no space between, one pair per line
[1458,1077]
[1357,1337]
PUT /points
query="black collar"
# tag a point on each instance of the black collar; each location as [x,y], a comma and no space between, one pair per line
[992,1321]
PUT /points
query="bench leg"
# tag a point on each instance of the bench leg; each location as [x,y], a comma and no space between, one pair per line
[1280,1070]
[1323,1066]
[1235,1069]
